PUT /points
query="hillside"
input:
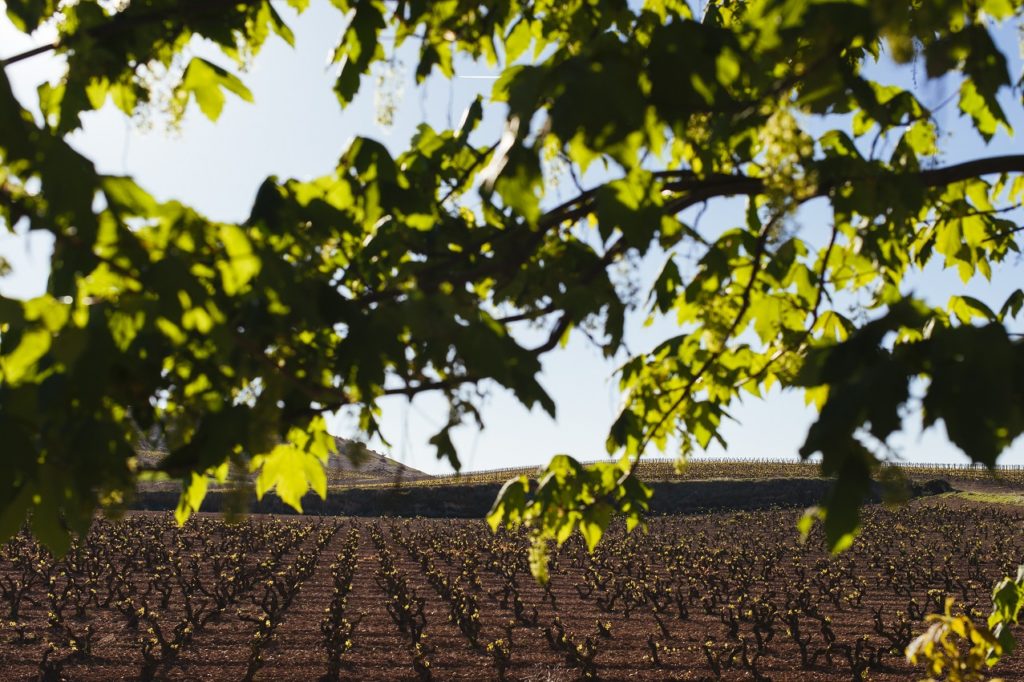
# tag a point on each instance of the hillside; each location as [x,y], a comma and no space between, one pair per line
[666,470]
[354,464]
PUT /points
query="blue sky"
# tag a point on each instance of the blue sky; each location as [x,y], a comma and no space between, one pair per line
[297,129]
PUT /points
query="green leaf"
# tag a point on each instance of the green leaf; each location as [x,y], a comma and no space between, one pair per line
[539,558]
[445,448]
[204,81]
[359,47]
[921,137]
[841,508]
[510,505]
[834,326]
[1007,600]
[972,103]
[974,389]
[471,118]
[241,264]
[291,473]
[518,40]
[838,143]
[1012,306]
[805,524]
[520,183]
[21,362]
[594,523]
[191,499]
[27,15]
[51,96]
[124,193]
[630,205]
[967,308]
[665,288]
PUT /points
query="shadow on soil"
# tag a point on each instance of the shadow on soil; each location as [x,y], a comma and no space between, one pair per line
[473,501]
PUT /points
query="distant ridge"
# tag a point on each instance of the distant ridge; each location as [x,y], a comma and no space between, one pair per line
[353,464]
[356,463]
[662,469]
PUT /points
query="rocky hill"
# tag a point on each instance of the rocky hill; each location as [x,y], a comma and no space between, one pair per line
[357,463]
[354,463]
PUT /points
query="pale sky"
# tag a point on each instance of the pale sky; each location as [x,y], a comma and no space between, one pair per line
[297,129]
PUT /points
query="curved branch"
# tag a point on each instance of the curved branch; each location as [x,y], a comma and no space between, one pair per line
[939,177]
[698,189]
[722,185]
[28,54]
[122,21]
[693,190]
[758,263]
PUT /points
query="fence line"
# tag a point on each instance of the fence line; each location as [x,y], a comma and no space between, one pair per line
[943,466]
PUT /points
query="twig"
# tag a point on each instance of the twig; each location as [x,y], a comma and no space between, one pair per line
[762,240]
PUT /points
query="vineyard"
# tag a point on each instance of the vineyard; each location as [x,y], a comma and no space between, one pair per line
[731,596]
[667,469]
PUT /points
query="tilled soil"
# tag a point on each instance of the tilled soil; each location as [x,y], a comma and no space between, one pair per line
[736,561]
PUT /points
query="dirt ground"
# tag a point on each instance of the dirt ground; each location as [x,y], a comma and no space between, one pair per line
[744,555]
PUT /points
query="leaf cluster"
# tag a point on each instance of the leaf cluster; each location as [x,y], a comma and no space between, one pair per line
[397,274]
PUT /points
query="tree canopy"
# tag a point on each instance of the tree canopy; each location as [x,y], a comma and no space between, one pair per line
[411,273]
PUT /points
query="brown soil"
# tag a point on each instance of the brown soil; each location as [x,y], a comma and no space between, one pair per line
[734,547]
